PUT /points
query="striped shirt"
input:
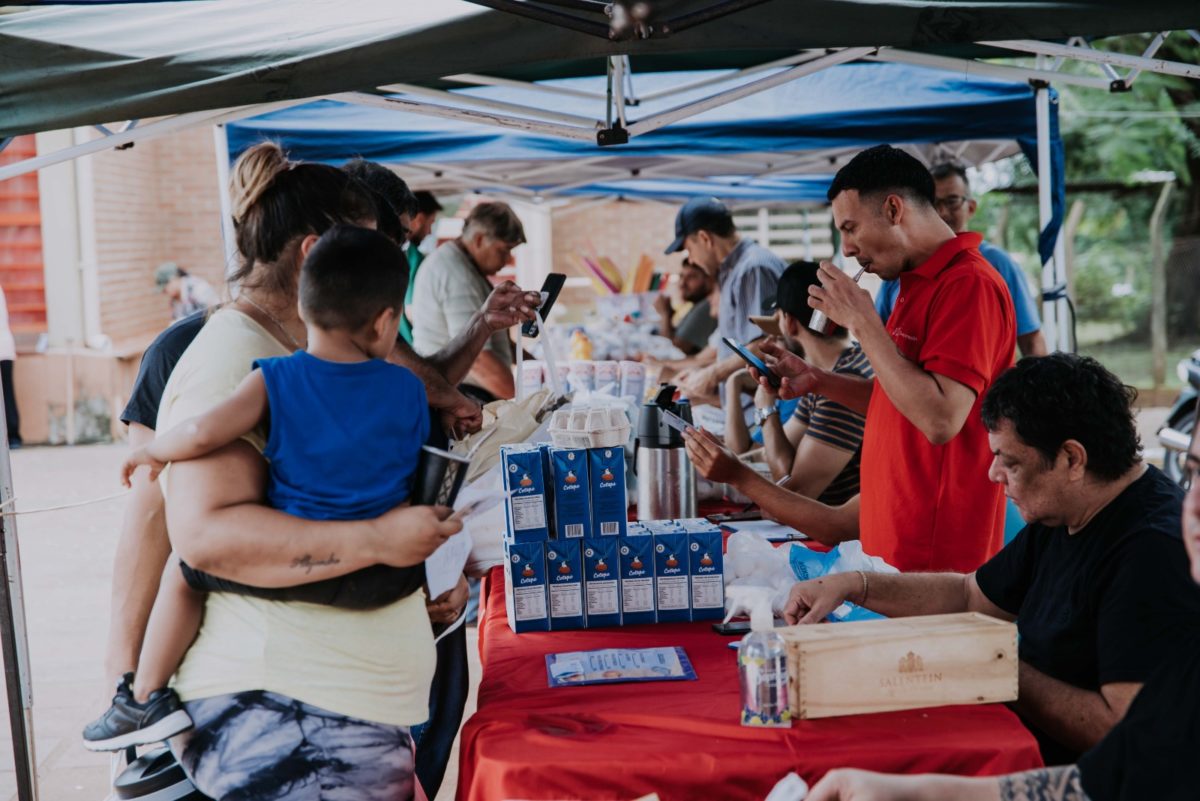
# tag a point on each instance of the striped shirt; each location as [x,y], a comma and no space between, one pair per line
[838,427]
[748,277]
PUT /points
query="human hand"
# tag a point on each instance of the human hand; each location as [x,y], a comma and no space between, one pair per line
[464,416]
[862,785]
[449,605]
[765,396]
[739,382]
[137,459]
[662,305]
[811,601]
[697,383]
[409,534]
[797,377]
[841,298]
[509,305]
[711,458]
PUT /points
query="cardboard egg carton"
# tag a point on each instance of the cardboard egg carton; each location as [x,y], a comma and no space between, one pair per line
[590,427]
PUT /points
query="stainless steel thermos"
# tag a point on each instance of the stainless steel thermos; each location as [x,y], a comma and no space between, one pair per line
[666,479]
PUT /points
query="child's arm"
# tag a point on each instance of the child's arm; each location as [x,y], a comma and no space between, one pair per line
[216,428]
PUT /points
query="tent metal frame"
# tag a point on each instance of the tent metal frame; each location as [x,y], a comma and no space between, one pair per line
[619,99]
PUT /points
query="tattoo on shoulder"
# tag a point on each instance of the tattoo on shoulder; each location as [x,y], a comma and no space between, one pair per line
[1044,784]
[307,563]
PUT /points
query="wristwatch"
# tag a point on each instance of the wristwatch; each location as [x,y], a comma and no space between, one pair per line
[761,414]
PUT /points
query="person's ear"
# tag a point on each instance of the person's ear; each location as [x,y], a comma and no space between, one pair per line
[306,244]
[972,204]
[386,324]
[788,324]
[893,208]
[1075,456]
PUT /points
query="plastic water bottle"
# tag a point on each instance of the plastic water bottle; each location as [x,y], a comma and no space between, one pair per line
[762,660]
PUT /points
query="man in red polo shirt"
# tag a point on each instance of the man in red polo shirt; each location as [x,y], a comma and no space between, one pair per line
[927,502]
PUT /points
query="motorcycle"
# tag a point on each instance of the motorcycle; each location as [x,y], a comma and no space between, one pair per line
[1176,434]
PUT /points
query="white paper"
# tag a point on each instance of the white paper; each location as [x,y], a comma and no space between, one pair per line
[445,565]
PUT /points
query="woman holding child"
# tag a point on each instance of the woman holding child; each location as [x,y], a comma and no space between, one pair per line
[292,695]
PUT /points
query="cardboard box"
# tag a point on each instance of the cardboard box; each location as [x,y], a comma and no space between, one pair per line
[525,596]
[525,506]
[606,477]
[601,588]
[671,589]
[564,575]
[901,663]
[706,570]
[636,560]
[569,481]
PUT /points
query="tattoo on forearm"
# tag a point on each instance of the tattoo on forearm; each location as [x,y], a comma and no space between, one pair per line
[1044,784]
[308,563]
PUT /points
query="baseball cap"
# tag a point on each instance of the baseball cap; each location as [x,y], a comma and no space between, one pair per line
[699,213]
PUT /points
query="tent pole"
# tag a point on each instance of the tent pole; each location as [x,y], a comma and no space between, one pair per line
[1058,333]
[228,237]
[13,639]
[1159,65]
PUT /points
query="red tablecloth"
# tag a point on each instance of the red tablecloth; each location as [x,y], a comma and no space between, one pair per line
[682,739]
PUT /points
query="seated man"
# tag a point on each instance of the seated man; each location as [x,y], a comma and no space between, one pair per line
[1097,581]
[696,328]
[455,281]
[1148,755]
[818,446]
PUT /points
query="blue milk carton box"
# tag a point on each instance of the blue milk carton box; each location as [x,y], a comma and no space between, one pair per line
[636,559]
[601,588]
[545,448]
[606,477]
[706,569]
[671,576]
[525,483]
[564,576]
[525,594]
[572,506]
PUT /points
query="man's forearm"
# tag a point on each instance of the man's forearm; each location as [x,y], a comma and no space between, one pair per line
[726,367]
[454,361]
[440,392]
[780,453]
[1032,344]
[825,524]
[1072,716]
[737,435]
[853,393]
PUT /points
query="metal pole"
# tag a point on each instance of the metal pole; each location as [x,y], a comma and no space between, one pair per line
[228,237]
[1158,287]
[13,640]
[1051,319]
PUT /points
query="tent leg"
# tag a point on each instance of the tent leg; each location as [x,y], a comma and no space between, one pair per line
[13,640]
[228,238]
[1054,317]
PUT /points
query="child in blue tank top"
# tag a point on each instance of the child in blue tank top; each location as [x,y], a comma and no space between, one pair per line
[345,434]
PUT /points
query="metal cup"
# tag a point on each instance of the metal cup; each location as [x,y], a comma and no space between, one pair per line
[821,324]
[439,477]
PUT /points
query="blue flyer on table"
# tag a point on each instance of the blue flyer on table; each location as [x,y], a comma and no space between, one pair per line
[614,665]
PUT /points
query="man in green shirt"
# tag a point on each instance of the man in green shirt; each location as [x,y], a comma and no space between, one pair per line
[420,227]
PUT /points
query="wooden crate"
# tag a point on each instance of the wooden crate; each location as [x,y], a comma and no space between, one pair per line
[901,663]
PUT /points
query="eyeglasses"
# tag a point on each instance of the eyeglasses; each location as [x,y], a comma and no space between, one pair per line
[950,202]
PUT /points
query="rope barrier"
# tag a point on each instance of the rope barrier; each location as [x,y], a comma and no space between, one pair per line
[59,507]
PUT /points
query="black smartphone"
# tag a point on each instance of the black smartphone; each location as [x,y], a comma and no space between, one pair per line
[749,358]
[733,517]
[735,627]
[550,288]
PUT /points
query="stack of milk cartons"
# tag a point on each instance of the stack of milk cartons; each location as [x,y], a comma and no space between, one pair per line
[672,571]
[566,508]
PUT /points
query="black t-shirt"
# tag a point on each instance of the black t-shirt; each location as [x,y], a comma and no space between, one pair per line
[1107,604]
[1152,753]
[157,363]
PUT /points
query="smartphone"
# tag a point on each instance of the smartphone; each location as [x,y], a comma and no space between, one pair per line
[733,517]
[735,627]
[550,289]
[753,361]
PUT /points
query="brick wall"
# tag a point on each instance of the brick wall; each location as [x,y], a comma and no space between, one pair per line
[621,229]
[155,202]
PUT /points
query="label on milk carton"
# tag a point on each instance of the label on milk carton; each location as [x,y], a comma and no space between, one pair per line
[606,477]
[706,566]
[564,574]
[671,576]
[525,483]
[636,559]
[572,506]
[601,589]
[525,595]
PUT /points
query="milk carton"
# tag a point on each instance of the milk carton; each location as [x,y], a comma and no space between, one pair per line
[564,575]
[601,588]
[572,506]
[528,517]
[636,560]
[608,378]
[671,576]
[706,569]
[606,477]
[525,586]
[544,448]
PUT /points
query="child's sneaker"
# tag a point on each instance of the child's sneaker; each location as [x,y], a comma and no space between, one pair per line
[129,723]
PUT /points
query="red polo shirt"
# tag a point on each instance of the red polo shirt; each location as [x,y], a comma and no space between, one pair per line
[926,506]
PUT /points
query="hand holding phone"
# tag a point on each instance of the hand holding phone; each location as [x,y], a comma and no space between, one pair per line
[752,360]
[550,289]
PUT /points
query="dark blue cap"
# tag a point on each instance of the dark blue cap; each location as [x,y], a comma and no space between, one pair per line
[699,214]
